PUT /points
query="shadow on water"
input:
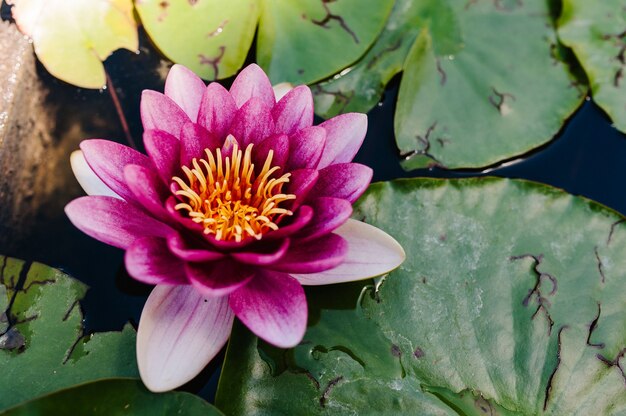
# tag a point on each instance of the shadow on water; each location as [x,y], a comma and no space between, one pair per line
[587,158]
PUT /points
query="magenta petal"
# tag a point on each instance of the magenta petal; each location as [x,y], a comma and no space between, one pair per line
[329,213]
[344,137]
[192,251]
[159,112]
[301,217]
[252,83]
[148,189]
[217,110]
[306,146]
[278,144]
[314,256]
[253,123]
[164,150]
[107,159]
[194,140]
[346,181]
[273,306]
[149,261]
[186,89]
[271,254]
[113,221]
[301,182]
[179,333]
[294,111]
[218,278]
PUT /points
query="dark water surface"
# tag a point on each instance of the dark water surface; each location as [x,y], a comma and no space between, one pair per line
[587,158]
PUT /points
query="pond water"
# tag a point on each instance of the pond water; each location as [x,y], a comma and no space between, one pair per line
[588,157]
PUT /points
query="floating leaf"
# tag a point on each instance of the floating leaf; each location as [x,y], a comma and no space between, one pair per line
[73,37]
[596,31]
[45,349]
[512,300]
[307,40]
[505,92]
[359,88]
[114,397]
[211,37]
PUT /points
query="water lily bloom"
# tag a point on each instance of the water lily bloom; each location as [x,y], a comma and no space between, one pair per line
[239,202]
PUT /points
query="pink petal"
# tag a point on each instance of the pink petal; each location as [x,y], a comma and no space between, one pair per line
[294,111]
[329,213]
[300,184]
[273,306]
[345,180]
[189,250]
[301,217]
[149,261]
[314,256]
[344,137]
[371,253]
[217,110]
[164,150]
[107,159]
[218,278]
[270,254]
[278,144]
[253,123]
[159,112]
[307,146]
[252,83]
[179,333]
[148,190]
[88,180]
[113,221]
[186,89]
[194,140]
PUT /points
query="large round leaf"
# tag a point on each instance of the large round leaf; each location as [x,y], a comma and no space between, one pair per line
[114,397]
[307,40]
[359,88]
[211,37]
[596,31]
[512,300]
[505,92]
[73,37]
[42,344]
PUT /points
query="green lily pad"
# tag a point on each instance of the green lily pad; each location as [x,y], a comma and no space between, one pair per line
[512,301]
[114,397]
[45,349]
[360,88]
[308,40]
[504,93]
[211,37]
[596,31]
[73,37]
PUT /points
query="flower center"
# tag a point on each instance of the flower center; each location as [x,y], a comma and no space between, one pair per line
[229,199]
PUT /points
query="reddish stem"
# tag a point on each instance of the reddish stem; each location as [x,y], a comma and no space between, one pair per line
[120,112]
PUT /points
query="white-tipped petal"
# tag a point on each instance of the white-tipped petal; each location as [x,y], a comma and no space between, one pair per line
[280,90]
[88,180]
[186,89]
[371,252]
[179,333]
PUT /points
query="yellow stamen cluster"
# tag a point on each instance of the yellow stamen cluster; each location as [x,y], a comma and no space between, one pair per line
[229,199]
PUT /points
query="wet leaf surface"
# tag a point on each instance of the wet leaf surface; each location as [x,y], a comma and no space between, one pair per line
[308,40]
[596,31]
[211,37]
[73,37]
[114,397]
[44,348]
[511,301]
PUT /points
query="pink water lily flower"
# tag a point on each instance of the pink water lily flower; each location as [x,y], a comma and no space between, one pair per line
[239,202]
